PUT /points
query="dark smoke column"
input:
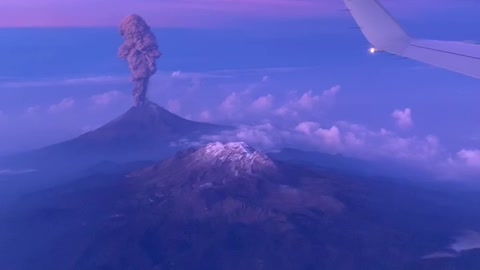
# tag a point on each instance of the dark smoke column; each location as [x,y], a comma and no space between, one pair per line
[140,49]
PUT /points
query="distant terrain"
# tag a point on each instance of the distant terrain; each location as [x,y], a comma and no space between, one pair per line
[144,132]
[228,206]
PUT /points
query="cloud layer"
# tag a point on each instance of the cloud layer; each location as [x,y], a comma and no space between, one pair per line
[403,118]
[468,240]
[270,115]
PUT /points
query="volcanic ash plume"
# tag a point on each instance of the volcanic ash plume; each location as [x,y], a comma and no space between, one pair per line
[140,49]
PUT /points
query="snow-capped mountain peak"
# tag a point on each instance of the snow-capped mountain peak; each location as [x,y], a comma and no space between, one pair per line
[238,157]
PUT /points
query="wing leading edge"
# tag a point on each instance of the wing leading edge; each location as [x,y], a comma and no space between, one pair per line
[384,34]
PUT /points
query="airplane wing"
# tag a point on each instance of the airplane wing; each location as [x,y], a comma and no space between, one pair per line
[384,34]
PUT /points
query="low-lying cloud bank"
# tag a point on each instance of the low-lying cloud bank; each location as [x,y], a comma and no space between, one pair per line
[357,141]
[269,114]
[15,172]
[468,240]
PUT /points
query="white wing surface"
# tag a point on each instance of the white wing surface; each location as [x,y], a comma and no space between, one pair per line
[384,34]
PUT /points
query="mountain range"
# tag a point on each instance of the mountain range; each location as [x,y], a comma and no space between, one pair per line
[229,206]
[143,132]
[126,199]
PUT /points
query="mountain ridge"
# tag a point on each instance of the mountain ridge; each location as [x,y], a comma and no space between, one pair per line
[229,206]
[143,132]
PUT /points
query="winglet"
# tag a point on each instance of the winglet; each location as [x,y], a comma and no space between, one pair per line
[378,26]
[385,34]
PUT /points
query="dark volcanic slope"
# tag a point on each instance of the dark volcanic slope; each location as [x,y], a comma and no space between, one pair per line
[227,206]
[143,132]
[147,122]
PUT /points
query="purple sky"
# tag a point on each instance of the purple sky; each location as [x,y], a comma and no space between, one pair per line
[188,13]
[286,71]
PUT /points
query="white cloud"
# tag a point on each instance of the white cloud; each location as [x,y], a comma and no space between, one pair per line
[263,103]
[465,163]
[264,136]
[173,105]
[278,117]
[307,128]
[200,75]
[308,101]
[33,109]
[437,255]
[386,144]
[332,92]
[64,105]
[342,137]
[331,136]
[230,103]
[470,157]
[403,118]
[15,172]
[248,105]
[205,116]
[63,82]
[327,138]
[177,74]
[469,240]
[106,98]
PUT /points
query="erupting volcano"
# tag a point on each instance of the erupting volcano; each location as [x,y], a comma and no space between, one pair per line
[140,50]
[145,131]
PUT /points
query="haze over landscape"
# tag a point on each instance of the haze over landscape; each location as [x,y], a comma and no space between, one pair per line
[279,68]
[201,135]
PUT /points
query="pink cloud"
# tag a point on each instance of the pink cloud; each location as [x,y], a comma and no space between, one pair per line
[332,92]
[463,164]
[174,105]
[307,128]
[64,82]
[64,105]
[32,109]
[403,118]
[178,74]
[469,240]
[105,99]
[441,254]
[309,101]
[230,103]
[328,137]
[331,136]
[247,104]
[343,137]
[205,116]
[387,144]
[470,157]
[264,136]
[236,104]
[263,103]
[256,103]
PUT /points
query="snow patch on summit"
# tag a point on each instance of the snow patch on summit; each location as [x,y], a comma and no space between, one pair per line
[239,157]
